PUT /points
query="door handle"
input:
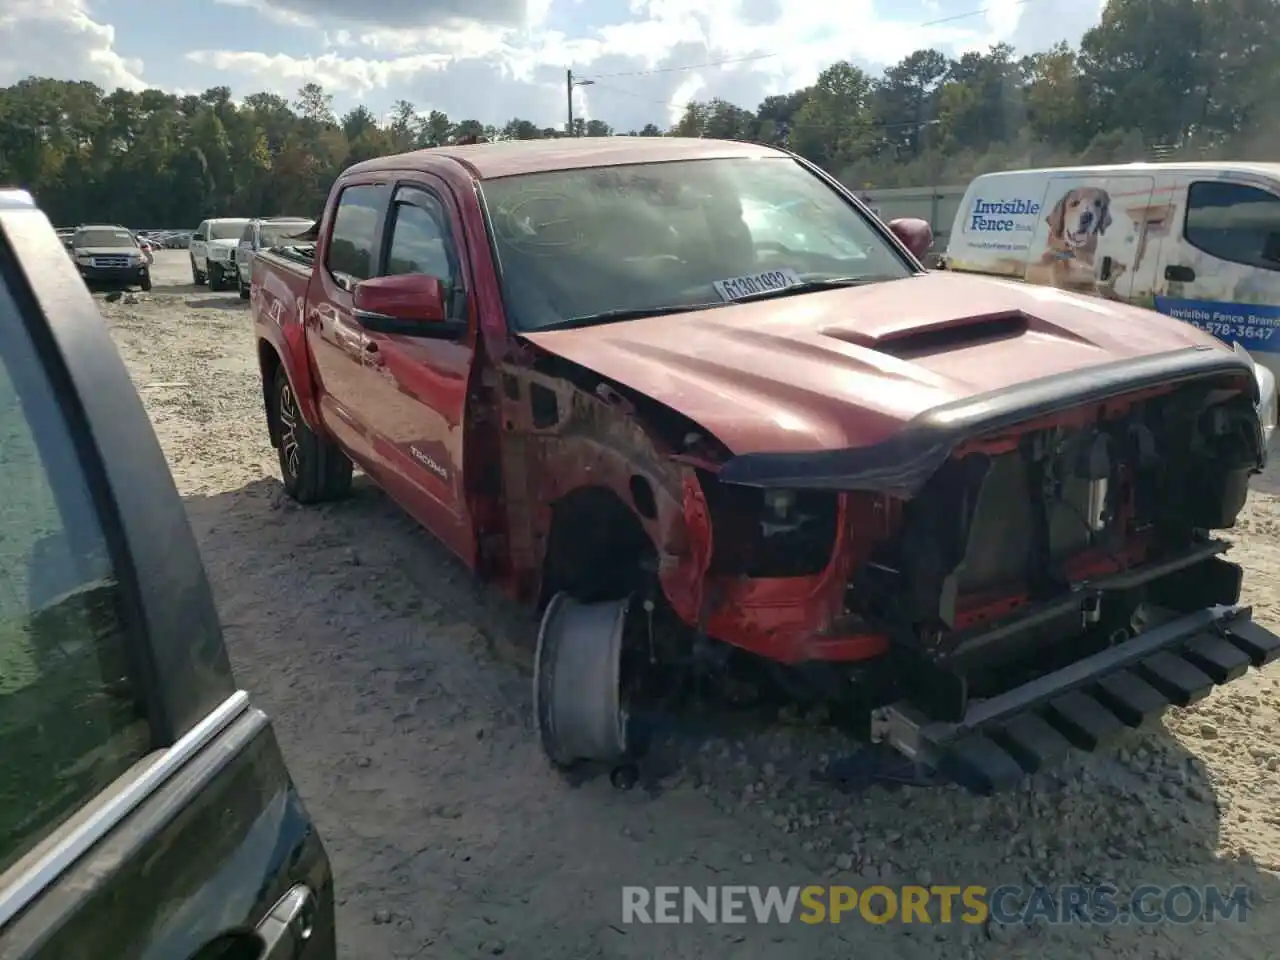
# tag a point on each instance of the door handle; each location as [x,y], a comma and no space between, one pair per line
[285,931]
[1177,272]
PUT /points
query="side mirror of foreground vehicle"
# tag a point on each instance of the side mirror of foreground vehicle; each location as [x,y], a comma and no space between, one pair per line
[123,732]
[409,304]
[917,235]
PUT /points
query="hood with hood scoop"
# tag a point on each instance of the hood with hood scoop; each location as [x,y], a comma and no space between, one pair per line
[849,368]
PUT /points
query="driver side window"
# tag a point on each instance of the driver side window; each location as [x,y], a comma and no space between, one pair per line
[420,243]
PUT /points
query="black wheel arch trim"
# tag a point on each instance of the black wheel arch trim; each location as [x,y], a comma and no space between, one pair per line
[905,461]
[180,656]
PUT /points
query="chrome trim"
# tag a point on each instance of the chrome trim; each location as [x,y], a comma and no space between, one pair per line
[18,895]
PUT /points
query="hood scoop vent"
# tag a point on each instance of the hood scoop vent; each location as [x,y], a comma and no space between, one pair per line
[950,334]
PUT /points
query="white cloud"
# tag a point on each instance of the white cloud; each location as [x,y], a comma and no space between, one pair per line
[39,36]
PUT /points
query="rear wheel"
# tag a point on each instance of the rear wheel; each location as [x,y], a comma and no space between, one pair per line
[217,280]
[313,468]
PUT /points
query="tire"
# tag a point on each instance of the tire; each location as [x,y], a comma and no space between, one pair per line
[217,281]
[196,276]
[244,291]
[145,283]
[313,469]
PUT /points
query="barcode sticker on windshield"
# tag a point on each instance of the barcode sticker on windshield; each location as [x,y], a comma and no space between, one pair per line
[735,288]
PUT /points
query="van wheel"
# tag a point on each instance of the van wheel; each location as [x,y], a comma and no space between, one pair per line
[314,470]
[196,276]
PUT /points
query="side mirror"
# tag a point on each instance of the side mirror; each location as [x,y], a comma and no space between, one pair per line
[915,234]
[408,304]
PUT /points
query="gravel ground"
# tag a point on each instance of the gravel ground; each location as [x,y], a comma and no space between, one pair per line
[400,691]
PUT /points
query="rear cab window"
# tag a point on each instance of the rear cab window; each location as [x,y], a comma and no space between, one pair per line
[72,718]
[351,254]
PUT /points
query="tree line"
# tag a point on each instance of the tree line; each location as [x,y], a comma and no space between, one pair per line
[1155,79]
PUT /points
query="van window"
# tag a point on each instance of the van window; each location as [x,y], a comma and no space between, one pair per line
[355,227]
[1234,222]
[70,719]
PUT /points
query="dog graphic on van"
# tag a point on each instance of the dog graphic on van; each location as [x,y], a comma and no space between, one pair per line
[1077,220]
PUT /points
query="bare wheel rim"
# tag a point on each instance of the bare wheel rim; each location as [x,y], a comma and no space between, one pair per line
[288,431]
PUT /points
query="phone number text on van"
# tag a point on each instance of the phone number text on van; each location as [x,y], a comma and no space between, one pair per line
[1252,324]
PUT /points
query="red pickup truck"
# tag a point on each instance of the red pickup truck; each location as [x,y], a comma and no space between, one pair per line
[691,398]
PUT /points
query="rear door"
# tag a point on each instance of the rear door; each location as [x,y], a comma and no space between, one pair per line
[244,251]
[145,810]
[337,342]
[1090,235]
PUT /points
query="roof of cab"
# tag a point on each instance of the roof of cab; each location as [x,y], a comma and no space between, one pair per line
[508,158]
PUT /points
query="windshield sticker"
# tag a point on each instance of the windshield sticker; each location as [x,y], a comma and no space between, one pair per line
[735,288]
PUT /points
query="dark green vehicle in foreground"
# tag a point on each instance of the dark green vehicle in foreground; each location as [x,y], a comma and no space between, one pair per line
[145,808]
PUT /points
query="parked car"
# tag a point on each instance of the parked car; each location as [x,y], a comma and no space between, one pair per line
[146,808]
[1196,241]
[213,249]
[973,513]
[107,254]
[260,233]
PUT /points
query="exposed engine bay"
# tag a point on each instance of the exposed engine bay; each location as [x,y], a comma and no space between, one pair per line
[1051,582]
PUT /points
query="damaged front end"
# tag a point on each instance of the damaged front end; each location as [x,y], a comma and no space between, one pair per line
[1006,577]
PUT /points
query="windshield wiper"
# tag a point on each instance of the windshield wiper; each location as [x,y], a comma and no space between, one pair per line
[808,286]
[639,313]
[629,313]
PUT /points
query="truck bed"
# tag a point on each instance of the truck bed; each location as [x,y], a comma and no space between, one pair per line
[298,257]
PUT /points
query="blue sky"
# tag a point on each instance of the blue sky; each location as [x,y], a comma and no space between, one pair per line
[497,59]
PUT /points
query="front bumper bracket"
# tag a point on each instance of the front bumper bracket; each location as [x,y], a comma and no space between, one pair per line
[1085,704]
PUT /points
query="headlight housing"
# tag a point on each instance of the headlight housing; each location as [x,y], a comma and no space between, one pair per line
[1269,407]
[1268,402]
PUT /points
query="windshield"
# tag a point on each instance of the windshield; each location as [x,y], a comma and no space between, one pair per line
[227,230]
[105,237]
[277,233]
[577,243]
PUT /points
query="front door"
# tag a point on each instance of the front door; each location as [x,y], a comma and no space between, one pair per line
[1094,235]
[1221,270]
[336,340]
[417,389]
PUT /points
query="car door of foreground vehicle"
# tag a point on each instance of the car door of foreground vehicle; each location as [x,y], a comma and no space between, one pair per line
[145,810]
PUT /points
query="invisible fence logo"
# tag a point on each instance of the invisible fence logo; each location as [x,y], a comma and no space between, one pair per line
[1007,905]
[1002,216]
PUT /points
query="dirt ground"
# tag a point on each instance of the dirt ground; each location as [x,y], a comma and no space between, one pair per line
[400,691]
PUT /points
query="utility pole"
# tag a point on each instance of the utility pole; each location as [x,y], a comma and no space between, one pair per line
[569,84]
[568,88]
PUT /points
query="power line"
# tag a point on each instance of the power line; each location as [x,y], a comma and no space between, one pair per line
[688,66]
[776,53]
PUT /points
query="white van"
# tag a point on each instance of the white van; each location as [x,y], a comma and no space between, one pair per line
[1196,241]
